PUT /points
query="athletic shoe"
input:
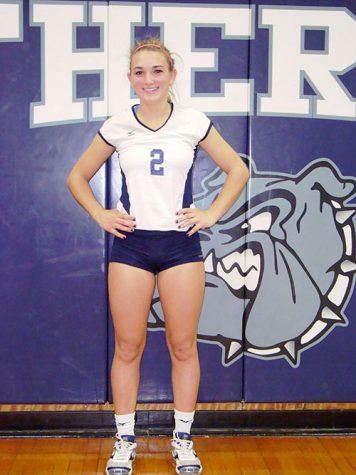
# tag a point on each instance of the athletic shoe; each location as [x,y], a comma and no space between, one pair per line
[184,455]
[121,460]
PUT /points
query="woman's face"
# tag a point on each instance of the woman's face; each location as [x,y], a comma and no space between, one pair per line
[150,76]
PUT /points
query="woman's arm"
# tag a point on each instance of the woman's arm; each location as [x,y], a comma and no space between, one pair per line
[237,176]
[78,183]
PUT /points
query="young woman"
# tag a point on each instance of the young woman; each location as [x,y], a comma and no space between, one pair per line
[156,238]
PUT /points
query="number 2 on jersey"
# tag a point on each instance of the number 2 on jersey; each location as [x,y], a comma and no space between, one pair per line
[157,162]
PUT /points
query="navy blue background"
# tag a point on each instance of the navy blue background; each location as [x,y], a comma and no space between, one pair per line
[56,337]
[326,371]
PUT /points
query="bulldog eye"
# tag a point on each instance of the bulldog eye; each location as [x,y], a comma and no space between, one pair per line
[260,222]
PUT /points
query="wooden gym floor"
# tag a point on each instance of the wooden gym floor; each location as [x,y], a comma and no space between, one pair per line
[220,455]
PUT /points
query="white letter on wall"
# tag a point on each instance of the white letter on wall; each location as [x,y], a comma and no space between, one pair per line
[290,63]
[178,23]
[11,21]
[61,61]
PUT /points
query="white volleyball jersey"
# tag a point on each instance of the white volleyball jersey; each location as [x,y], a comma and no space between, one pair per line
[156,165]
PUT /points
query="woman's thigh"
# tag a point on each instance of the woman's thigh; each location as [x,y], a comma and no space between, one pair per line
[181,290]
[130,295]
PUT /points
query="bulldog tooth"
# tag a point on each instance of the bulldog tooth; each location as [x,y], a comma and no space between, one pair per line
[328,314]
[245,260]
[233,349]
[315,330]
[337,293]
[348,239]
[233,278]
[336,204]
[348,266]
[240,269]
[343,215]
[208,263]
[235,257]
[252,279]
[290,349]
[263,352]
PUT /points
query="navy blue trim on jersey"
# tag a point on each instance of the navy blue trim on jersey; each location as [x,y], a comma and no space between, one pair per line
[134,111]
[101,136]
[207,132]
[124,198]
[188,195]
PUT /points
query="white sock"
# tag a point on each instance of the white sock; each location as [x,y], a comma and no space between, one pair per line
[125,424]
[183,421]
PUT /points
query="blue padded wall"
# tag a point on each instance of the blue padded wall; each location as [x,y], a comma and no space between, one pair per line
[299,341]
[278,319]
[53,335]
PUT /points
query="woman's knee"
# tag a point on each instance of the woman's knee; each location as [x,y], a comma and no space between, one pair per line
[183,351]
[129,351]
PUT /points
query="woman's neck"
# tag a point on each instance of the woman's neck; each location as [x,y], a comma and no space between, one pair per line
[155,115]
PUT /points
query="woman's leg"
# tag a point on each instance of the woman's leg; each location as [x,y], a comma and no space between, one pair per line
[130,295]
[181,290]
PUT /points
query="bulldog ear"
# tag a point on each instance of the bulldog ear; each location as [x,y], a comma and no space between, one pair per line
[323,175]
[215,180]
[211,186]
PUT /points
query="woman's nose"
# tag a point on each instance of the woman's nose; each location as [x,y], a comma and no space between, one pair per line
[148,78]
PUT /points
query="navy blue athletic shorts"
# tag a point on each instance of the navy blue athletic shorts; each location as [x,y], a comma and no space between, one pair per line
[156,251]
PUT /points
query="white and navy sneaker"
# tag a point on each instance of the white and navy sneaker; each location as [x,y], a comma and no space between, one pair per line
[123,456]
[184,455]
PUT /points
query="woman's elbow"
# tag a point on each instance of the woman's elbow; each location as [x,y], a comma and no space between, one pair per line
[246,173]
[69,180]
[72,178]
[242,172]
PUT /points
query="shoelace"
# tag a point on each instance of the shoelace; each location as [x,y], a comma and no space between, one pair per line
[123,449]
[184,449]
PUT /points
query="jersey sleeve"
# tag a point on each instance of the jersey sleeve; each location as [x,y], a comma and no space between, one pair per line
[110,132]
[202,125]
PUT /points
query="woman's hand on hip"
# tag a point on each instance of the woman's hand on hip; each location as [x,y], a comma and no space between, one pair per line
[113,221]
[195,217]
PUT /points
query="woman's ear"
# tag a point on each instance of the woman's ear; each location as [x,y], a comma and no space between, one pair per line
[173,76]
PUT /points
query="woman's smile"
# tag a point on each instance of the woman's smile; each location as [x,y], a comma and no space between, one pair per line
[150,75]
[151,89]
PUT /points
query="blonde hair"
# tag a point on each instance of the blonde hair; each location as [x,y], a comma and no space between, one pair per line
[154,44]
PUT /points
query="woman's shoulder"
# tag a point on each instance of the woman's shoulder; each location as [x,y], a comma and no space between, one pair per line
[115,127]
[188,112]
[192,122]
[120,116]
